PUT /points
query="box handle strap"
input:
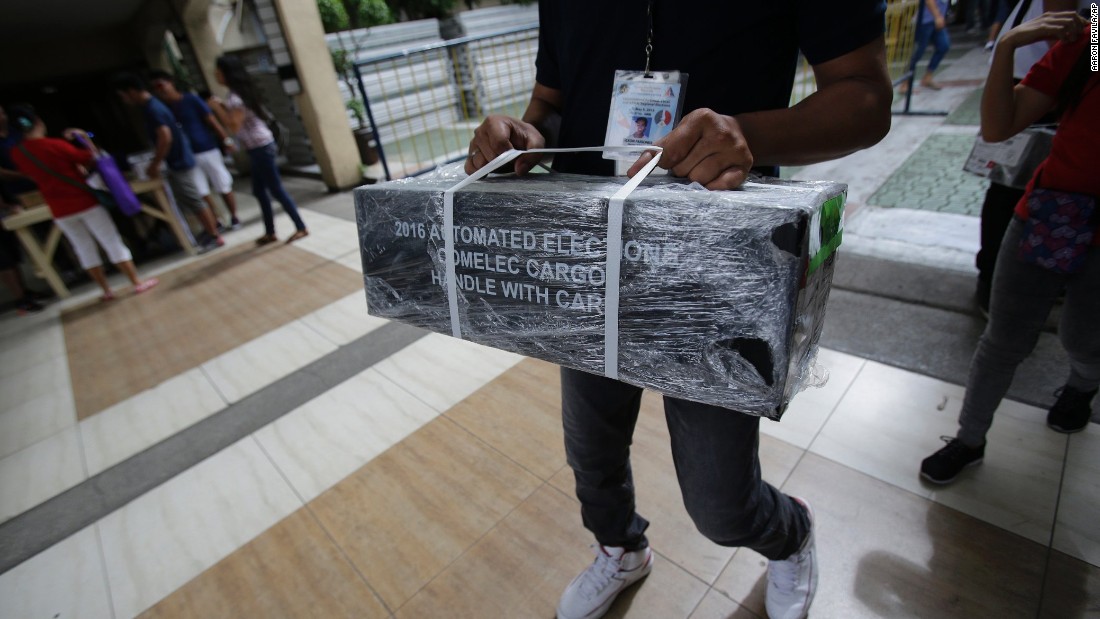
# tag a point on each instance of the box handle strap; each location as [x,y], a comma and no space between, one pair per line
[614,241]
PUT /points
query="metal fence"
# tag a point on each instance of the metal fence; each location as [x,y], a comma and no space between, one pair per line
[424,103]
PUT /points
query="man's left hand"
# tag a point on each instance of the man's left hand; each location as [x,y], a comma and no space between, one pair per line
[706,147]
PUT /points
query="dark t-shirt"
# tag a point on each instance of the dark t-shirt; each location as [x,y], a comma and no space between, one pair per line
[10,190]
[740,56]
[157,115]
[191,112]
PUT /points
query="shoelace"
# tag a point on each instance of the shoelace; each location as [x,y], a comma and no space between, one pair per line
[784,574]
[954,446]
[600,573]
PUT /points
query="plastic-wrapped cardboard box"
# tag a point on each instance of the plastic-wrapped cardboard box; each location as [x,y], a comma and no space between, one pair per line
[721,294]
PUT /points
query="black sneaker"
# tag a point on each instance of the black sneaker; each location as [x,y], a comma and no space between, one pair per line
[945,465]
[27,305]
[1072,411]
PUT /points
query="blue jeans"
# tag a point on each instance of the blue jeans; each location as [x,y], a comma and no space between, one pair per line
[1023,295]
[715,453]
[265,180]
[927,33]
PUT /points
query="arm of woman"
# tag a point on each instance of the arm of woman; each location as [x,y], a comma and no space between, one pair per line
[1007,109]
[81,136]
[230,117]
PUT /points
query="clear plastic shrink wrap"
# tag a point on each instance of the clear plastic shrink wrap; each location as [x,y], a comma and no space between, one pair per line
[721,293]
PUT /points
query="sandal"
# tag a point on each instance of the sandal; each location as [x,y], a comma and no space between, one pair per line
[265,239]
[301,234]
[107,296]
[146,285]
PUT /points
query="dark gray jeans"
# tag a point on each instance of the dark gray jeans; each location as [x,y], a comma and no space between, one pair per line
[715,452]
[1023,295]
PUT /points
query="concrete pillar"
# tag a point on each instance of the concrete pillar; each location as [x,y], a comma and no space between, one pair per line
[204,40]
[320,104]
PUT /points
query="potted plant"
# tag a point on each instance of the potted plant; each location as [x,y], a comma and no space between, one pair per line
[339,16]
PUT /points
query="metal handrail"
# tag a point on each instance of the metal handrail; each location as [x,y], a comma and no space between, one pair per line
[431,47]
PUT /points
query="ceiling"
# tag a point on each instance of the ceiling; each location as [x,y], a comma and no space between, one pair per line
[28,20]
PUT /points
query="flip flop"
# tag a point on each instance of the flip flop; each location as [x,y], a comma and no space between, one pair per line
[146,285]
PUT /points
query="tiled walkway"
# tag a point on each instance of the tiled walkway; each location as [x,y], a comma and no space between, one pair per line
[356,468]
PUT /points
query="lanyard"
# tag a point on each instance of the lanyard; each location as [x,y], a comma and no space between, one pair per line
[649,37]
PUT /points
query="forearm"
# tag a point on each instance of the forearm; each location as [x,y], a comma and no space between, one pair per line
[163,145]
[10,175]
[933,9]
[1008,109]
[543,112]
[216,127]
[998,99]
[230,120]
[840,119]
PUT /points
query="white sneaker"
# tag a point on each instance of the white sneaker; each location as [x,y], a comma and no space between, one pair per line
[793,581]
[592,592]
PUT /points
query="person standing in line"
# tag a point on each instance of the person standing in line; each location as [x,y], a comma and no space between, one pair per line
[207,137]
[725,132]
[12,183]
[931,29]
[1023,293]
[243,114]
[58,168]
[173,148]
[1000,200]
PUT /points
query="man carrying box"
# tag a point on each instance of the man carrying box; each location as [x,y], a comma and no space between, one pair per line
[741,59]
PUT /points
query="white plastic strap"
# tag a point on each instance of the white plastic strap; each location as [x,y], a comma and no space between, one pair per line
[614,241]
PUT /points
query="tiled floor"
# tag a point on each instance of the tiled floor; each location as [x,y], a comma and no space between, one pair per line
[433,484]
[409,476]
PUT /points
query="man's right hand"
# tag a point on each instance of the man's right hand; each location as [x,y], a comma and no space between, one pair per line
[498,134]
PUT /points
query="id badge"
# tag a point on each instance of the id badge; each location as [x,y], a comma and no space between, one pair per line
[644,109]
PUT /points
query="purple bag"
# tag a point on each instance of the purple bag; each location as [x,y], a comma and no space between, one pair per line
[117,184]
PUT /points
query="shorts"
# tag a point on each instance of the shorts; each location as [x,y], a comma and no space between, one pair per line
[85,229]
[213,169]
[185,188]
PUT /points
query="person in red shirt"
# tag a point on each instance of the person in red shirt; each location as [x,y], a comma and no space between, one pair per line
[1023,292]
[58,168]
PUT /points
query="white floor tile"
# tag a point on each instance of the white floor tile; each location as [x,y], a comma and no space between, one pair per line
[809,409]
[34,381]
[163,539]
[33,421]
[32,345]
[333,435]
[345,320]
[1076,532]
[266,359]
[39,472]
[442,370]
[332,239]
[352,260]
[65,580]
[891,419]
[153,415]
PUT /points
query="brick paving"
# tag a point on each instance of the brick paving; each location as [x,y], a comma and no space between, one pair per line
[932,179]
